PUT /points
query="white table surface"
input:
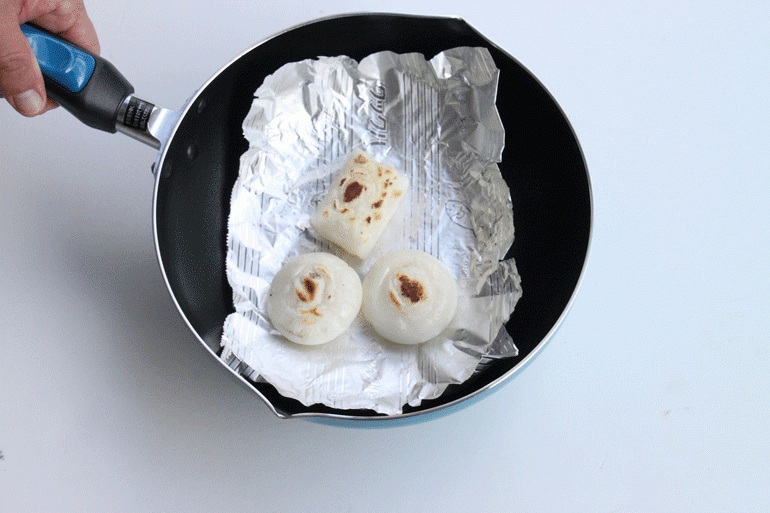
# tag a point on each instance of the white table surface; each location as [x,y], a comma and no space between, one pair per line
[652,397]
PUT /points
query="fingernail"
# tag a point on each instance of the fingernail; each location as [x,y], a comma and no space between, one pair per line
[28,103]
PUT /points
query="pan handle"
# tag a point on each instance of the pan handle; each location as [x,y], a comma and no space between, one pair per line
[94,91]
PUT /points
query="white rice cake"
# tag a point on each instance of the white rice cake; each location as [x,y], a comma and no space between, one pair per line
[314,298]
[409,296]
[361,200]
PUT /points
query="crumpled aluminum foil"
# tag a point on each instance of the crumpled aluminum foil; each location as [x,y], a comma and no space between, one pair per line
[437,122]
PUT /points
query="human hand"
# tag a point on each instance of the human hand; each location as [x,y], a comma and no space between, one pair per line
[21,82]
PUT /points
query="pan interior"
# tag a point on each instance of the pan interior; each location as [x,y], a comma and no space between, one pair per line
[542,164]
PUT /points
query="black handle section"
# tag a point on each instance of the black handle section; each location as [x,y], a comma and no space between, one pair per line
[97,104]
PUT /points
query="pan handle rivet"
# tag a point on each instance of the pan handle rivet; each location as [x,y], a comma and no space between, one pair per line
[201,105]
[192,152]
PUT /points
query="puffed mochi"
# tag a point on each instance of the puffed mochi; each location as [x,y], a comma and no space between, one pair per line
[409,296]
[360,202]
[313,298]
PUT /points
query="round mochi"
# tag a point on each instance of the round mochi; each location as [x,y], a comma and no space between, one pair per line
[313,298]
[409,296]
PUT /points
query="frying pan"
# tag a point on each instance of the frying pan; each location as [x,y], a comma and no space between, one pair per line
[198,161]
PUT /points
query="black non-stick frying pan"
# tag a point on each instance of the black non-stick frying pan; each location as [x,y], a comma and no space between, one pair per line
[198,164]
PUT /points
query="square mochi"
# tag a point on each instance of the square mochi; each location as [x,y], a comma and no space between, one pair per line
[360,202]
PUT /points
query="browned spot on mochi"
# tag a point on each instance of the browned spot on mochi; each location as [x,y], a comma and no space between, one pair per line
[310,287]
[352,191]
[411,289]
[395,300]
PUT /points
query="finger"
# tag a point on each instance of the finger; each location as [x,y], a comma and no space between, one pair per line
[69,19]
[21,82]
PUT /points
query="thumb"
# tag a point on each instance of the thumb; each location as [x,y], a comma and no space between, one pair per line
[21,81]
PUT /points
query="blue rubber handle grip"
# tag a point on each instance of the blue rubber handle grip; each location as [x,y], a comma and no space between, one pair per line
[67,65]
[85,84]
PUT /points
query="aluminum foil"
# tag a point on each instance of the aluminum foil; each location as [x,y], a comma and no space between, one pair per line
[436,121]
